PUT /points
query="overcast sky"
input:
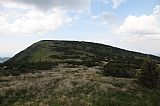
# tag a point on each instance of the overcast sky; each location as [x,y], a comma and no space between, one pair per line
[128,24]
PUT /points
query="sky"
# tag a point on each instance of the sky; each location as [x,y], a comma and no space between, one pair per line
[128,24]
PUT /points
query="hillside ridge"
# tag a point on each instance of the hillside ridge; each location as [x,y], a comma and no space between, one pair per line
[53,52]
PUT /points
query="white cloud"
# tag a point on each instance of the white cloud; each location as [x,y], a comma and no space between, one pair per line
[140,33]
[139,43]
[157,10]
[117,3]
[145,25]
[106,17]
[94,17]
[156,13]
[105,1]
[78,5]
[33,21]
[37,16]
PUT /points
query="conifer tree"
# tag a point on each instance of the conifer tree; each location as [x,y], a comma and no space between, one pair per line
[149,74]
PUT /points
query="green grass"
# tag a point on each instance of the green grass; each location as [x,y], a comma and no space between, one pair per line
[74,87]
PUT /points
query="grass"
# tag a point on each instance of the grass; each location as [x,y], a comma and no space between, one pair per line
[74,87]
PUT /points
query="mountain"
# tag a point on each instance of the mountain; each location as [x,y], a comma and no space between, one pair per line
[77,79]
[76,53]
[4,59]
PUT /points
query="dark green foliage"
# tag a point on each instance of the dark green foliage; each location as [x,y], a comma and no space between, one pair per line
[42,54]
[63,57]
[49,50]
[17,69]
[38,65]
[118,70]
[88,63]
[149,73]
[4,71]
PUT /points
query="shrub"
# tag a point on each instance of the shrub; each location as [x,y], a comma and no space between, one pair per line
[37,65]
[118,70]
[88,63]
[149,73]
[16,69]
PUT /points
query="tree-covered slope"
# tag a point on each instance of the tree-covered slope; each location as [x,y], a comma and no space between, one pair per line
[77,52]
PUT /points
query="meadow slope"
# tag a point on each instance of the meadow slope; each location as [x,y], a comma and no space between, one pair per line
[74,87]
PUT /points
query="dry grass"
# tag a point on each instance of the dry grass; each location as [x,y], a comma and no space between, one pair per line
[74,87]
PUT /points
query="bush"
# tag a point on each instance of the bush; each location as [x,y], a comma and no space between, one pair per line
[88,63]
[8,72]
[16,69]
[149,73]
[38,65]
[118,70]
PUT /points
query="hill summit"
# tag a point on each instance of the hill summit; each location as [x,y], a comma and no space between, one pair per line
[90,54]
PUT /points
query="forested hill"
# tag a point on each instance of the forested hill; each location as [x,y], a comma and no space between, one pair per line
[77,52]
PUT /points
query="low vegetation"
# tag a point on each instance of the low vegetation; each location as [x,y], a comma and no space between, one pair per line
[74,87]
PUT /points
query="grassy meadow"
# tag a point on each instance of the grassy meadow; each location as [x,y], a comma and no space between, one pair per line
[74,87]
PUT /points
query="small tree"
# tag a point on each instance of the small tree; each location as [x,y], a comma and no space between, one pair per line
[149,74]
